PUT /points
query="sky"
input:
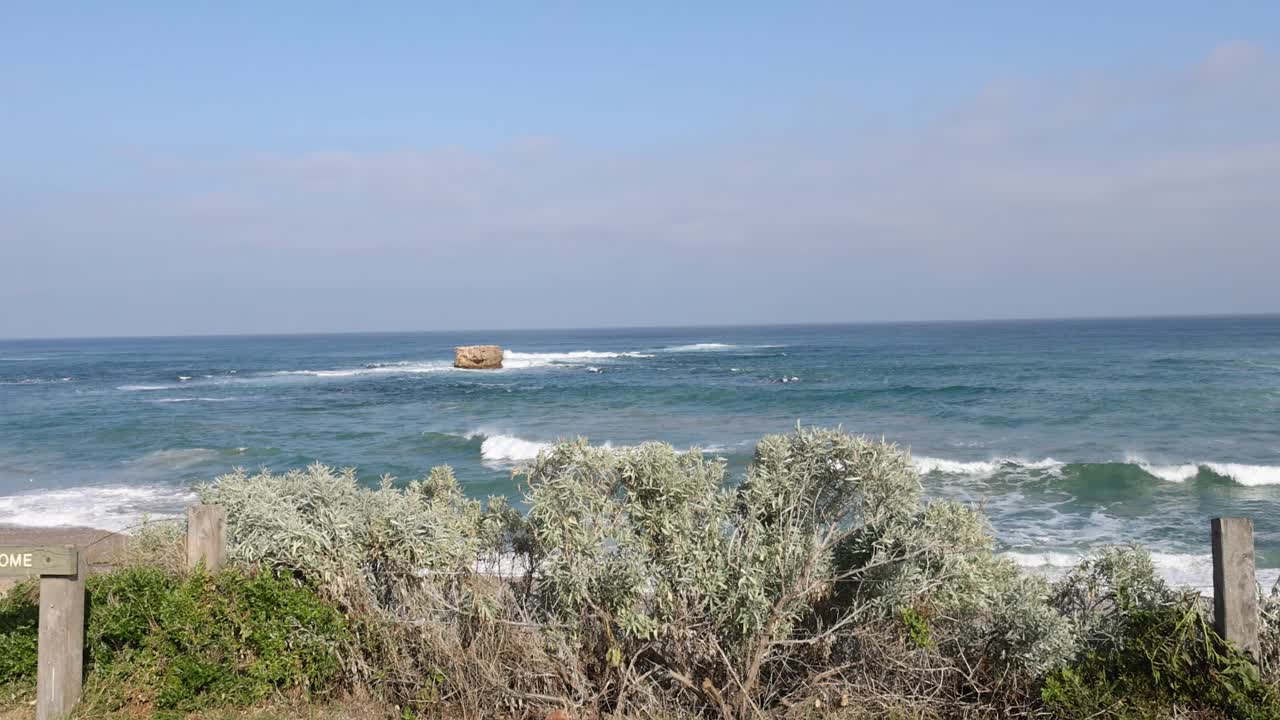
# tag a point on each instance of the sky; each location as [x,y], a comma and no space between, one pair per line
[192,168]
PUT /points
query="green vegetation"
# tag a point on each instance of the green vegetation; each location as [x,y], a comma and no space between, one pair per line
[19,620]
[1148,649]
[642,582]
[171,643]
[1167,657]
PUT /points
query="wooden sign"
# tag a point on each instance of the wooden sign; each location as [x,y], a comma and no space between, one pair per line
[33,560]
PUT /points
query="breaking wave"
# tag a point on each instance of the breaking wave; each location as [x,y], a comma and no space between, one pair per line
[1240,473]
[1246,474]
[508,449]
[926,465]
[1169,473]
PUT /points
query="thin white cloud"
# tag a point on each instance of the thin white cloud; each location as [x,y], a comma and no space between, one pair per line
[1122,175]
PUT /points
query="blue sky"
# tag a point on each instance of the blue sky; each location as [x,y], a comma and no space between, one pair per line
[289,167]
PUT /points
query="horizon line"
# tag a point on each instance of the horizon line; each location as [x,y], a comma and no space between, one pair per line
[691,326]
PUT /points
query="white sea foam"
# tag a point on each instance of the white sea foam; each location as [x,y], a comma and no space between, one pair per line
[508,449]
[184,378]
[105,507]
[722,449]
[925,465]
[144,388]
[1247,474]
[1050,563]
[1243,474]
[715,347]
[195,399]
[700,347]
[401,368]
[1174,472]
[37,381]
[1169,473]
[1045,464]
[501,450]
[512,360]
[1183,570]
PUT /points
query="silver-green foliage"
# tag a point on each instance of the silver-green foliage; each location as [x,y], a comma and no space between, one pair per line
[637,535]
[650,555]
[372,548]
[826,532]
[1103,592]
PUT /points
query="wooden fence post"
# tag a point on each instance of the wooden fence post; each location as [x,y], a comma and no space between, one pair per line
[1235,588]
[206,537]
[60,653]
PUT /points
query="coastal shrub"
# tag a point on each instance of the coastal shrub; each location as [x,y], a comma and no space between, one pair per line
[1107,589]
[629,561]
[650,550]
[645,581]
[19,622]
[162,641]
[1166,661]
[644,556]
[401,562]
[1147,650]
[158,542]
[368,547]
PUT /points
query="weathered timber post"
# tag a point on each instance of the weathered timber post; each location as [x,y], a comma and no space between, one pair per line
[60,638]
[206,537]
[60,654]
[1235,588]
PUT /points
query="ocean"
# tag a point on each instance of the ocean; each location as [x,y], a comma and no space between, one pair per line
[1072,434]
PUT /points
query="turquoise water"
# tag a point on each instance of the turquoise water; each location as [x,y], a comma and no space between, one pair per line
[1073,433]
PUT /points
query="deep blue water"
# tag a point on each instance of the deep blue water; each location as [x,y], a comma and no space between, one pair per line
[1073,433]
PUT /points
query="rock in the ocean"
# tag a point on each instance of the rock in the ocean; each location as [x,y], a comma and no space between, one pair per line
[477,357]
